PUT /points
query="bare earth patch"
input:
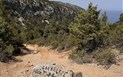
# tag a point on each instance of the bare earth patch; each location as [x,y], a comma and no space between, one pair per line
[27,62]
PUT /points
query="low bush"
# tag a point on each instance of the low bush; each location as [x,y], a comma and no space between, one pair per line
[38,41]
[80,57]
[105,57]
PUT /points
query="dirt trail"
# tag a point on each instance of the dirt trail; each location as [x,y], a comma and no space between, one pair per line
[27,62]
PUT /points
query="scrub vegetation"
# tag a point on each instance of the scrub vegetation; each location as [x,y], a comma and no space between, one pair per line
[61,26]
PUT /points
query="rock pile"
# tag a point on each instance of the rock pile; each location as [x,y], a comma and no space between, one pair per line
[53,70]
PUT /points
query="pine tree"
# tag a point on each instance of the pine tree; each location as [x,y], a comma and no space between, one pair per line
[121,17]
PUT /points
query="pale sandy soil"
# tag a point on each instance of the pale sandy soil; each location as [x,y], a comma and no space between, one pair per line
[24,67]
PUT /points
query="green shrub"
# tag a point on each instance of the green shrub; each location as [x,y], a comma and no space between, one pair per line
[120,49]
[121,17]
[105,57]
[10,50]
[39,41]
[80,57]
[55,44]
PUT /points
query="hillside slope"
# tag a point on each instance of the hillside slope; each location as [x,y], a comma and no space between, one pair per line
[40,10]
[37,21]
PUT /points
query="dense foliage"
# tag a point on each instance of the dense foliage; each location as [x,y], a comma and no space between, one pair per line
[90,29]
[95,36]
[9,38]
[41,22]
[84,30]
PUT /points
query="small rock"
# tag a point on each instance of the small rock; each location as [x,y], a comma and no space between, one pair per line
[31,65]
[27,71]
[79,74]
[28,61]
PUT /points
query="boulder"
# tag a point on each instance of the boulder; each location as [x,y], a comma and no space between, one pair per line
[51,70]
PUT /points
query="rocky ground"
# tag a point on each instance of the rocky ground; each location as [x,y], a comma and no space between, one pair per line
[23,67]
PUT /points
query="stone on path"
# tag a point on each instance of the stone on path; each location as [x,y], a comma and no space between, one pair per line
[52,70]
